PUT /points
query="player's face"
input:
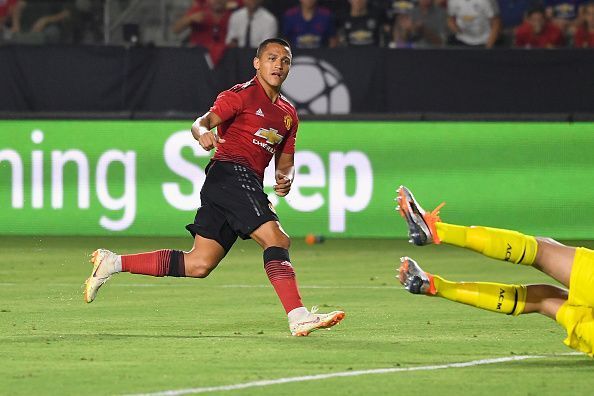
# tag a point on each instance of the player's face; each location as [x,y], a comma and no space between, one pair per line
[308,3]
[217,5]
[251,4]
[273,64]
[358,4]
[537,20]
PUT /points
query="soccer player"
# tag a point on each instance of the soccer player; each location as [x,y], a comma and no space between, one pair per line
[573,267]
[255,123]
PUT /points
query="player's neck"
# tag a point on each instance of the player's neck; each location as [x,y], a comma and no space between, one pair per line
[357,12]
[308,13]
[269,90]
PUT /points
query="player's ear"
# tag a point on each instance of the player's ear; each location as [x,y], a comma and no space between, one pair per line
[256,63]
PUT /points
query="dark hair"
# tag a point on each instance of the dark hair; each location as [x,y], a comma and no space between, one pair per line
[535,8]
[275,40]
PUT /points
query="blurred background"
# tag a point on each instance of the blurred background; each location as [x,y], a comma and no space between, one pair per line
[395,58]
[481,103]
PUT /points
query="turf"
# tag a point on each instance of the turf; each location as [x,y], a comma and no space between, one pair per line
[146,334]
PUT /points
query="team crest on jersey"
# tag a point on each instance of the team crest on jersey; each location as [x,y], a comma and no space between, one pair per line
[288,122]
[271,135]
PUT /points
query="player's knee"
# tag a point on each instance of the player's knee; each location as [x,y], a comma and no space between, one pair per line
[199,267]
[545,299]
[201,272]
[546,241]
[283,241]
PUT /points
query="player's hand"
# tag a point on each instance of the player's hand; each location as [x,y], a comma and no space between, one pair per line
[209,140]
[282,186]
[39,25]
[196,17]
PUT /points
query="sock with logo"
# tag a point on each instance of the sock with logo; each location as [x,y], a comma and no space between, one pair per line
[282,277]
[492,242]
[495,297]
[158,263]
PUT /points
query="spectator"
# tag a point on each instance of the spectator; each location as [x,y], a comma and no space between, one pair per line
[403,31]
[538,32]
[10,17]
[429,23]
[83,24]
[41,22]
[340,8]
[208,25]
[229,4]
[279,7]
[566,14]
[473,23]
[309,26]
[360,27]
[250,25]
[512,14]
[584,36]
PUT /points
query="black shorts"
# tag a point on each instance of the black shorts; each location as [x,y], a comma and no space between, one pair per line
[233,204]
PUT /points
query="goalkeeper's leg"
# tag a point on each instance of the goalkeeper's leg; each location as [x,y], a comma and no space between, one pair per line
[545,254]
[495,297]
[551,301]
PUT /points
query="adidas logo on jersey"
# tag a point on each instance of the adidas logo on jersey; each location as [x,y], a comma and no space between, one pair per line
[260,113]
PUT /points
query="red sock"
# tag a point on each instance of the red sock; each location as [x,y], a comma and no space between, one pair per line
[281,275]
[158,263]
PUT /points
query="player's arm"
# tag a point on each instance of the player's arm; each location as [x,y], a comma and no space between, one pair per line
[182,23]
[46,20]
[202,130]
[495,30]
[452,25]
[285,172]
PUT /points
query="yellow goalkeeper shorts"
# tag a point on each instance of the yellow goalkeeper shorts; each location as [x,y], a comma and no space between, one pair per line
[577,314]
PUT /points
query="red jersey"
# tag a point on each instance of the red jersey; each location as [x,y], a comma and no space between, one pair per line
[254,128]
[583,38]
[550,37]
[5,6]
[211,32]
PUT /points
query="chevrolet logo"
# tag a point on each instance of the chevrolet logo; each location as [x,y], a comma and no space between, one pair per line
[271,135]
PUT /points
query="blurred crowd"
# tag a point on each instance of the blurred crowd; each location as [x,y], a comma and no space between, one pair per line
[220,24]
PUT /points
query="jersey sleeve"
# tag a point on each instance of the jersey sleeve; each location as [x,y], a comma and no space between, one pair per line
[227,105]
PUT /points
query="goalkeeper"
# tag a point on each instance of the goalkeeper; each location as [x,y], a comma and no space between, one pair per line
[572,307]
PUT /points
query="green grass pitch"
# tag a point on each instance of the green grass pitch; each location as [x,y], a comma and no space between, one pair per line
[145,335]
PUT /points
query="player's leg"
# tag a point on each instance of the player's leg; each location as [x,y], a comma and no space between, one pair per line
[545,254]
[204,257]
[495,297]
[554,259]
[197,263]
[213,237]
[426,227]
[277,264]
[551,301]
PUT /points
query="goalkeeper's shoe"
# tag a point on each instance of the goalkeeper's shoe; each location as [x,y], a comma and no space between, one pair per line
[414,279]
[104,265]
[421,224]
[313,321]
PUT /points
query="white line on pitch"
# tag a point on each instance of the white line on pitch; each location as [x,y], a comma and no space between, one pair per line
[356,373]
[115,284]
